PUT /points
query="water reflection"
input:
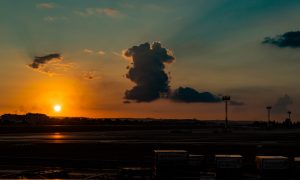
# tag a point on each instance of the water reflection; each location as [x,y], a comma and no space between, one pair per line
[63,137]
[57,137]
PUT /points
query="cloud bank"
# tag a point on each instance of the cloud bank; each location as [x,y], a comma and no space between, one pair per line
[190,95]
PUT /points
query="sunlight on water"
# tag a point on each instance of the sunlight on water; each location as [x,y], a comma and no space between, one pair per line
[57,137]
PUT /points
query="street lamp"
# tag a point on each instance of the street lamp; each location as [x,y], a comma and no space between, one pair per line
[269,114]
[226,99]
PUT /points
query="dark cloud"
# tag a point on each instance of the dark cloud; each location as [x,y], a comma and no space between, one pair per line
[148,71]
[281,106]
[288,39]
[237,103]
[190,95]
[41,60]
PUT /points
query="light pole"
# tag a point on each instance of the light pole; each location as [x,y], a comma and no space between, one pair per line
[269,114]
[226,99]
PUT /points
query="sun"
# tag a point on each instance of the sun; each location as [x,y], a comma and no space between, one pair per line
[57,108]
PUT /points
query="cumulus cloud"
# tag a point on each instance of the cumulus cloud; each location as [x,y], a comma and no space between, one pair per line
[148,71]
[282,103]
[288,39]
[110,12]
[190,95]
[45,5]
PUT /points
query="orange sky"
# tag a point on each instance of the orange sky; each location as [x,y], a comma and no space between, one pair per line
[217,46]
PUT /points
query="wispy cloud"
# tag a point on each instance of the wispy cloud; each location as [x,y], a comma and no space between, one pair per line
[42,60]
[50,64]
[122,55]
[110,12]
[117,54]
[49,18]
[46,5]
[144,7]
[55,18]
[92,52]
[88,51]
[90,75]
[101,52]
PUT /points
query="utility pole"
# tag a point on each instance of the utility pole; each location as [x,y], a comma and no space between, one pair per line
[226,99]
[269,114]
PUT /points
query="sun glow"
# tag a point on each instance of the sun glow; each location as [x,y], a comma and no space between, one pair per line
[57,108]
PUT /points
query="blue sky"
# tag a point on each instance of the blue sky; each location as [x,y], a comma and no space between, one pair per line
[217,45]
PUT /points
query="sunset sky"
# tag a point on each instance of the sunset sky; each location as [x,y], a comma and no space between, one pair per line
[78,54]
